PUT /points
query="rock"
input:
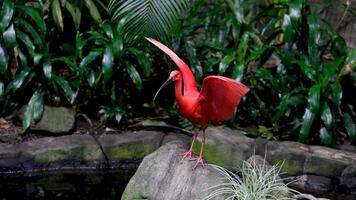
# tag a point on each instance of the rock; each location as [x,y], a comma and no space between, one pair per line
[55,120]
[175,136]
[348,178]
[53,150]
[349,171]
[130,145]
[226,148]
[163,176]
[307,197]
[313,184]
[327,161]
[9,157]
[347,147]
[291,154]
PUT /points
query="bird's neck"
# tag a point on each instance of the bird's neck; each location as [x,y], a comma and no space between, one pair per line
[188,77]
[178,90]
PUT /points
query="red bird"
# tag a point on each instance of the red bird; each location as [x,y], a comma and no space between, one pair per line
[216,101]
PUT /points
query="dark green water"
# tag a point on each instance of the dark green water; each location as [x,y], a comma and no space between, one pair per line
[57,186]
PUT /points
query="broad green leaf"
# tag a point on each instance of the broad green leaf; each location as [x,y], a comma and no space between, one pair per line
[242,48]
[75,13]
[134,75]
[2,89]
[314,98]
[238,71]
[108,30]
[47,70]
[7,11]
[225,62]
[308,119]
[327,116]
[329,71]
[37,39]
[118,117]
[326,136]
[68,91]
[336,93]
[27,42]
[88,59]
[287,28]
[143,60]
[89,73]
[10,37]
[37,58]
[23,58]
[34,13]
[351,59]
[57,14]
[314,39]
[117,46]
[307,69]
[70,62]
[93,11]
[18,81]
[290,99]
[350,127]
[4,59]
[108,62]
[34,110]
[295,8]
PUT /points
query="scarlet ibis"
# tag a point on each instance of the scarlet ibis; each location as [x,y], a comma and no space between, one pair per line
[216,101]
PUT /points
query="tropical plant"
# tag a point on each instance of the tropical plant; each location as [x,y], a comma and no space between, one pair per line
[256,180]
[155,18]
[293,64]
[111,62]
[75,9]
[26,66]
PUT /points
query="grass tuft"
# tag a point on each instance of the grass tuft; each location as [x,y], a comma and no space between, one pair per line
[258,181]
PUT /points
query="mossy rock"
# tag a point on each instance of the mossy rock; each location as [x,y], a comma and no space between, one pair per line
[131,145]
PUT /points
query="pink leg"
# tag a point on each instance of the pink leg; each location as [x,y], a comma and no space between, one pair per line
[189,153]
[200,158]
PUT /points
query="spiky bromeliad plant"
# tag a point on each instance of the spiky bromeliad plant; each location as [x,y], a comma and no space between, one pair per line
[258,181]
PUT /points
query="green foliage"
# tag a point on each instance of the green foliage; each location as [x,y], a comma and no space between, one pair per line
[75,9]
[258,181]
[155,18]
[290,57]
[99,66]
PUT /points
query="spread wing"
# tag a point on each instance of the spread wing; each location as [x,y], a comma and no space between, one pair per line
[219,97]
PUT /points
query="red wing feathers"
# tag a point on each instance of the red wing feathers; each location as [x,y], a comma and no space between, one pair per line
[219,97]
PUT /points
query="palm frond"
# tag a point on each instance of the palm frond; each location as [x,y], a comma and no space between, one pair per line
[155,18]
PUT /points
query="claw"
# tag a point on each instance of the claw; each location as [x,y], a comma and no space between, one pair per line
[187,154]
[199,162]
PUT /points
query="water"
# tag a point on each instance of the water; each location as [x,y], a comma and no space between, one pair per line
[88,185]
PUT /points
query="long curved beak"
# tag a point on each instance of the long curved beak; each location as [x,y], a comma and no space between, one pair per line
[169,80]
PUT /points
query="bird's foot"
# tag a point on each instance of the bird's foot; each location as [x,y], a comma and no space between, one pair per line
[199,162]
[187,154]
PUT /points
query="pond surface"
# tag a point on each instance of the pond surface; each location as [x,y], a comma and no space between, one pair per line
[95,185]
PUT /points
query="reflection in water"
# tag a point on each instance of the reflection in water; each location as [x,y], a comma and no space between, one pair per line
[98,185]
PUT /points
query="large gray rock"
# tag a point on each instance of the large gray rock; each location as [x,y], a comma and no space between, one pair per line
[9,157]
[291,154]
[50,150]
[130,145]
[163,176]
[55,120]
[226,148]
[327,161]
[313,184]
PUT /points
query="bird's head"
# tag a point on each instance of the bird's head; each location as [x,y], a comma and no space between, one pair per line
[174,76]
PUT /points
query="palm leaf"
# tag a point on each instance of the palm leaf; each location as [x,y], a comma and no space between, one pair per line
[155,18]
